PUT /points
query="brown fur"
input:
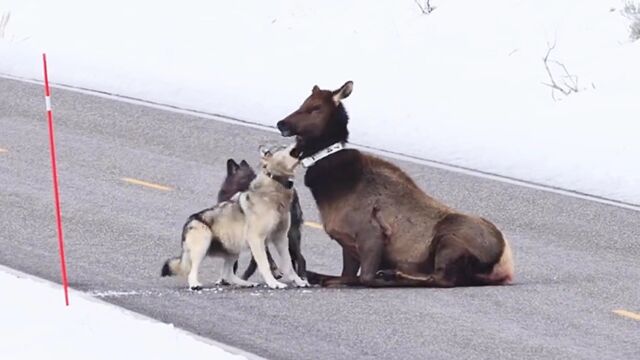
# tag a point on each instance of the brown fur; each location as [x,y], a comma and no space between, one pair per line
[389,229]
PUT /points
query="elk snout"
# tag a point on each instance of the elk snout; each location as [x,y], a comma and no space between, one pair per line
[284,128]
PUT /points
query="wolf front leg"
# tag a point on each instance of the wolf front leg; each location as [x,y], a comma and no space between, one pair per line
[256,244]
[281,242]
[298,261]
[229,276]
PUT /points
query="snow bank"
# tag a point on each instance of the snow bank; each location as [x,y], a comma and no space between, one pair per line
[36,325]
[462,85]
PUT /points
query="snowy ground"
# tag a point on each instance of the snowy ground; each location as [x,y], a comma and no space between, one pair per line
[35,324]
[462,85]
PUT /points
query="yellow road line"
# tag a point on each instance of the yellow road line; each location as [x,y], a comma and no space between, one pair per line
[310,224]
[314,225]
[147,184]
[3,150]
[629,314]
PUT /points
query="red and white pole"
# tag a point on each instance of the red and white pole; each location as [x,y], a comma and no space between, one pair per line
[56,191]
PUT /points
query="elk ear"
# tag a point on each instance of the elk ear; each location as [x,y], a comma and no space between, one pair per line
[315,89]
[232,167]
[343,92]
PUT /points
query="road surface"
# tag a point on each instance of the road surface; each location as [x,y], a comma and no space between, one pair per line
[577,260]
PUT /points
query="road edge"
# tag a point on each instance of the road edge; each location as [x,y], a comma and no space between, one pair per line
[381,152]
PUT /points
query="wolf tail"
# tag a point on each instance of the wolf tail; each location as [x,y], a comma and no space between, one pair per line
[177,265]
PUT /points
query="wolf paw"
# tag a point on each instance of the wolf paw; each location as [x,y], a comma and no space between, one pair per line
[196,288]
[276,273]
[386,274]
[246,284]
[277,285]
[302,283]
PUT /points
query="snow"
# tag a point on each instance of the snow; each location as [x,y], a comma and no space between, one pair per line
[462,85]
[37,325]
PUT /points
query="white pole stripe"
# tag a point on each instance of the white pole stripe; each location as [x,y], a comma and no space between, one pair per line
[47,100]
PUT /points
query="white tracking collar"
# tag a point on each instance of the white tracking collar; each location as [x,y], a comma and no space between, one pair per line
[310,160]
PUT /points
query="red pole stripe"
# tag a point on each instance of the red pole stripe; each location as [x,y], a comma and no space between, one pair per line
[56,192]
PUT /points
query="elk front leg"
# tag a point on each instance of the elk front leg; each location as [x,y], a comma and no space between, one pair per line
[349,277]
[371,248]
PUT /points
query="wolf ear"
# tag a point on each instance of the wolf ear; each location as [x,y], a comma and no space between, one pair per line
[264,151]
[244,163]
[343,92]
[315,89]
[232,167]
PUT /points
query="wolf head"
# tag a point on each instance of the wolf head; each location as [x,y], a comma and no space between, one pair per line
[278,160]
[238,178]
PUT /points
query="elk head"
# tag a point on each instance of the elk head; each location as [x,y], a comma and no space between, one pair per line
[320,121]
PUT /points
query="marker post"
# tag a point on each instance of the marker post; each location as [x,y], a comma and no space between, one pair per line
[56,191]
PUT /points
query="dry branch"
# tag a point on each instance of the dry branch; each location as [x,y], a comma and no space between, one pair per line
[569,82]
[3,23]
[426,8]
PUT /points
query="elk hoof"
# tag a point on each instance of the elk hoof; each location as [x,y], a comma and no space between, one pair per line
[386,274]
[313,278]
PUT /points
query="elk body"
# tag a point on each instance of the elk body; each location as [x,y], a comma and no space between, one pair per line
[391,232]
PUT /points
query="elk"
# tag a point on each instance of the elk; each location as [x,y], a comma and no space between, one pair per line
[391,232]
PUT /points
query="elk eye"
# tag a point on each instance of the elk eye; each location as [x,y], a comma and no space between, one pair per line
[314,109]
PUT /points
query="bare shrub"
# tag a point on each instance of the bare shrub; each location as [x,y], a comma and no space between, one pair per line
[631,11]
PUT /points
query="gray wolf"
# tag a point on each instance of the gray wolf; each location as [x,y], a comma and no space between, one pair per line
[251,219]
[238,178]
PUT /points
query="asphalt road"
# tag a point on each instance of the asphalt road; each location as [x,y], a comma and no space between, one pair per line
[577,260]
